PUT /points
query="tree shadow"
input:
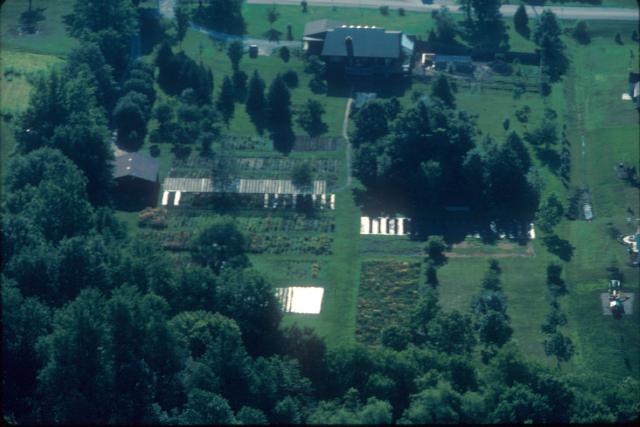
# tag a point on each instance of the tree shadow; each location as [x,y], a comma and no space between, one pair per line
[550,158]
[559,247]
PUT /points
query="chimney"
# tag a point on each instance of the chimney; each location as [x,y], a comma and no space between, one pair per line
[348,41]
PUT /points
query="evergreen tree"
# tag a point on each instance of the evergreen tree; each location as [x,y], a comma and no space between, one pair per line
[181,22]
[256,103]
[226,101]
[547,37]
[442,89]
[235,52]
[279,103]
[521,21]
[310,118]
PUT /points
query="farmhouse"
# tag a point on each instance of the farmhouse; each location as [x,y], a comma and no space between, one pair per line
[359,50]
[136,177]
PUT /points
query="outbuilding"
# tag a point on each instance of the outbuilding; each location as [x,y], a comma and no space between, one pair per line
[136,178]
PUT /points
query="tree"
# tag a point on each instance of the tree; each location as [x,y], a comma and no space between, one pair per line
[451,333]
[371,123]
[437,405]
[218,245]
[204,407]
[279,115]
[72,382]
[284,53]
[442,90]
[226,101]
[310,118]
[272,15]
[422,313]
[53,198]
[279,103]
[235,52]
[559,346]
[305,6]
[256,102]
[435,248]
[24,321]
[111,24]
[618,38]
[88,57]
[130,116]
[446,28]
[545,134]
[547,37]
[221,15]
[395,336]
[519,404]
[251,416]
[494,328]
[521,21]
[550,213]
[181,22]
[581,32]
[432,274]
[301,175]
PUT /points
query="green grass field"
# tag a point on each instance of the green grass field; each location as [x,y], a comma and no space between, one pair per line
[51,38]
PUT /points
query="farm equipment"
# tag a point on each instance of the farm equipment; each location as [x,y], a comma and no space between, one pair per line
[616,299]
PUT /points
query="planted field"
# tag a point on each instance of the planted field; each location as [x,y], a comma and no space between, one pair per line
[388,289]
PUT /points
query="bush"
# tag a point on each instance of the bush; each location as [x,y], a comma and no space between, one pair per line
[291,79]
[284,53]
[581,33]
[401,11]
[384,10]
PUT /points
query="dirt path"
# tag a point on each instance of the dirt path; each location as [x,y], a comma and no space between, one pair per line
[345,135]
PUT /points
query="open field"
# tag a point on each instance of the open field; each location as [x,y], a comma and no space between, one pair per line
[51,39]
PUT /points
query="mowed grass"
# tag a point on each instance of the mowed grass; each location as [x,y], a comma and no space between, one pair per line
[611,133]
[16,70]
[50,39]
[214,56]
[413,23]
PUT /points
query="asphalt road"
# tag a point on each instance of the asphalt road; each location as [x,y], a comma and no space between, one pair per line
[590,13]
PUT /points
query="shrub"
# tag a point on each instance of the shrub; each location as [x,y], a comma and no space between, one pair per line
[581,33]
[284,53]
[401,11]
[384,10]
[501,67]
[154,150]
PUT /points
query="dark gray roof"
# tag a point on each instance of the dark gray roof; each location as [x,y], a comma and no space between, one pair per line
[136,165]
[367,42]
[452,58]
[314,28]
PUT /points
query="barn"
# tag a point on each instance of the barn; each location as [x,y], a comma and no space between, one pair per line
[136,179]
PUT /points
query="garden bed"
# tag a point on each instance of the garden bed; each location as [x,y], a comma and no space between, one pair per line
[388,290]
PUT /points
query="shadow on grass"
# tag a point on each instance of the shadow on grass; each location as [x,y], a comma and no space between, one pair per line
[549,158]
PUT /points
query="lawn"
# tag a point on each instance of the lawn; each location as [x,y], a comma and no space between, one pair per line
[50,39]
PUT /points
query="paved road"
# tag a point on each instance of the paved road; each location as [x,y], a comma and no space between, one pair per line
[591,13]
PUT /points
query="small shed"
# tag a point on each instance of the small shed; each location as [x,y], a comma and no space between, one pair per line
[136,178]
